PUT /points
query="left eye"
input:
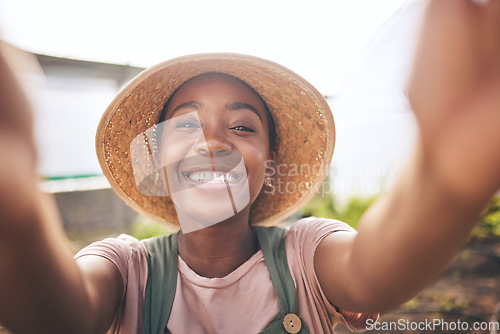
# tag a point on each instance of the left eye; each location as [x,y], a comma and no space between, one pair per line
[242,128]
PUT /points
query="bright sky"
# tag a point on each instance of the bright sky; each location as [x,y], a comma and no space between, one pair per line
[318,39]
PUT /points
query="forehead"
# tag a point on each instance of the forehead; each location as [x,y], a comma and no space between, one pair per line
[216,85]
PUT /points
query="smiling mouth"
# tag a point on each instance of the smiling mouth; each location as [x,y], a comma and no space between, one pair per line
[211,177]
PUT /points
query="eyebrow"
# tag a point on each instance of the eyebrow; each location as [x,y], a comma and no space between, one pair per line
[242,106]
[195,105]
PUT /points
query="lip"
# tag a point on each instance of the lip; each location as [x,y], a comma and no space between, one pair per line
[208,167]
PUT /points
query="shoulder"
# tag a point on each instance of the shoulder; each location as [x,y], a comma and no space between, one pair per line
[306,234]
[129,256]
[314,229]
[122,245]
[302,241]
[122,251]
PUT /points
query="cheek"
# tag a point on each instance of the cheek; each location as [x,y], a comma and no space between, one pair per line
[174,148]
[255,159]
[171,156]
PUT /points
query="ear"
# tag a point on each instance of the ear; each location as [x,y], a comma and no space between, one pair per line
[270,162]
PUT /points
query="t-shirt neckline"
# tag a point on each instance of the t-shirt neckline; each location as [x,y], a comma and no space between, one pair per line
[220,282]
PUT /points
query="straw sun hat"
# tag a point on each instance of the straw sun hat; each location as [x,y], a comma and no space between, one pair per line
[305,132]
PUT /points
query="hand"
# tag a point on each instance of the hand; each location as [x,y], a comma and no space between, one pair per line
[455,94]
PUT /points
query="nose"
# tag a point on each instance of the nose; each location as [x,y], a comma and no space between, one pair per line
[213,143]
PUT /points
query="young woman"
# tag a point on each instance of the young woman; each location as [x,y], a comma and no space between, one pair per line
[185,128]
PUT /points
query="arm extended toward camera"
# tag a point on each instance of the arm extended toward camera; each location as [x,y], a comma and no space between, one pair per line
[407,237]
[42,288]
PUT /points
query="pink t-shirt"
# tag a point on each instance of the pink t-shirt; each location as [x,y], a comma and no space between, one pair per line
[243,301]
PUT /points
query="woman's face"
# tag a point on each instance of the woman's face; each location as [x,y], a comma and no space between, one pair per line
[214,147]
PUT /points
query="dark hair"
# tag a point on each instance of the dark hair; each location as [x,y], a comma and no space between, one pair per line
[270,121]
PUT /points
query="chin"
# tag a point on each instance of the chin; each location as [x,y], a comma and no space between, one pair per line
[198,214]
[203,206]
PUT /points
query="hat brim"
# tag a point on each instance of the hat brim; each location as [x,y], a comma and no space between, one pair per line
[305,131]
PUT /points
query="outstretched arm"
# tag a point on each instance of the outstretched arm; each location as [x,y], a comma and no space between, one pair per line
[411,233]
[42,289]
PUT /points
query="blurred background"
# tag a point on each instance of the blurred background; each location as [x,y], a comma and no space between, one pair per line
[357,53]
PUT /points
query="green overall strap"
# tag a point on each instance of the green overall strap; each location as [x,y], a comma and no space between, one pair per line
[272,243]
[161,284]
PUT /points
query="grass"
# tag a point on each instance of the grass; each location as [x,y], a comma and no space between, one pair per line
[144,228]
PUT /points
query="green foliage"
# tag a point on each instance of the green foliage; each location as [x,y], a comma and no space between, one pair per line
[412,304]
[355,208]
[143,228]
[449,303]
[325,206]
[320,206]
[489,225]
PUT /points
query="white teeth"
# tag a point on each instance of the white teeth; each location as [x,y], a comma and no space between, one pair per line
[212,177]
